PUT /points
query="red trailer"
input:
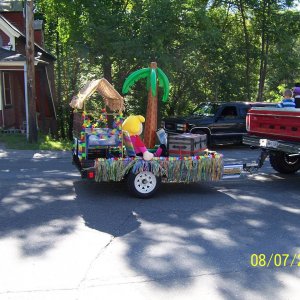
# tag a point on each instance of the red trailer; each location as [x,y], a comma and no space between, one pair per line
[277,132]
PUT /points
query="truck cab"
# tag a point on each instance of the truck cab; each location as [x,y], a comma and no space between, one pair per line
[224,123]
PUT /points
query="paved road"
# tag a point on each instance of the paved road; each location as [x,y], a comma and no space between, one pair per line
[61,238]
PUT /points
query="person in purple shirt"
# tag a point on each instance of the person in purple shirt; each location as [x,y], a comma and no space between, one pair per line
[288,100]
[296,94]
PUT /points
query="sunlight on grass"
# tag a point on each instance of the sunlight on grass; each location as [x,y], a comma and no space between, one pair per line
[45,142]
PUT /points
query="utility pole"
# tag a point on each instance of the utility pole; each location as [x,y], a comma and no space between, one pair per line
[31,126]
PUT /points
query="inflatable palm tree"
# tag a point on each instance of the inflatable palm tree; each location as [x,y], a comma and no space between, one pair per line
[154,75]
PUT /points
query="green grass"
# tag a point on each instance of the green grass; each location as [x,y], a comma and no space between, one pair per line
[18,141]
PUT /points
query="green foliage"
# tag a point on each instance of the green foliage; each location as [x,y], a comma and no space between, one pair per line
[210,50]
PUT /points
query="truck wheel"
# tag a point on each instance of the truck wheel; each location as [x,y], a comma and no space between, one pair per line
[282,163]
[143,184]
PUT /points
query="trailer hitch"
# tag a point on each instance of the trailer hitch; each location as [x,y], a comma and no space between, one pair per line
[254,166]
[235,171]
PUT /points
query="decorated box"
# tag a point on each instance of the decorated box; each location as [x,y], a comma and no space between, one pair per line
[102,137]
[186,144]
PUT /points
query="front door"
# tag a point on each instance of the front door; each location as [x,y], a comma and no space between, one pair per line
[228,127]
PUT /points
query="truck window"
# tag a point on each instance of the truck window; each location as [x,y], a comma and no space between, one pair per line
[229,112]
[206,109]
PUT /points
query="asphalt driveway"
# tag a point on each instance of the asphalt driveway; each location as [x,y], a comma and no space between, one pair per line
[62,238]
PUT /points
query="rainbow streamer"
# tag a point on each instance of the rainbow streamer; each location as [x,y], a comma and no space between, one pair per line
[171,169]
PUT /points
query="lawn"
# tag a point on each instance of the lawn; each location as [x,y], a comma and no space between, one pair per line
[45,142]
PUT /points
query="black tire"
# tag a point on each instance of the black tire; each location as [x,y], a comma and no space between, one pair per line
[143,185]
[282,163]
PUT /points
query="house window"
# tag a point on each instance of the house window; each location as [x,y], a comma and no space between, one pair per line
[6,89]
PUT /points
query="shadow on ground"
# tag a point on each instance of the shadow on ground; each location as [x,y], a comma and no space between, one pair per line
[173,239]
[187,231]
[37,212]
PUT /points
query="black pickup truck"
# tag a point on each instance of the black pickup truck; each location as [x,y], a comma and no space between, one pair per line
[224,123]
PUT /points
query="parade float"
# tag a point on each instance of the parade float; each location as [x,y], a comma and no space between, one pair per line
[104,152]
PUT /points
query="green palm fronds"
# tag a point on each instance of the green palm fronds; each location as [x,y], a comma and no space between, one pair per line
[164,83]
[152,78]
[134,77]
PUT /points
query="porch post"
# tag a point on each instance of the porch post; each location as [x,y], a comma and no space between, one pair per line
[1,100]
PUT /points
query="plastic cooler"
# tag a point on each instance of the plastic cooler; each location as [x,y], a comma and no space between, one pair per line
[186,144]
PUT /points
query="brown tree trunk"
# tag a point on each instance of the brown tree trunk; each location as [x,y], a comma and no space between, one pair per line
[266,11]
[107,70]
[73,88]
[263,72]
[247,49]
[151,117]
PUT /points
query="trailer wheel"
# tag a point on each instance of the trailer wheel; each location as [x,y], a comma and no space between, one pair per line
[282,163]
[143,184]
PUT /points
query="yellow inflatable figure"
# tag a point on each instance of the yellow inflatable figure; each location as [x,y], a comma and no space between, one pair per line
[133,125]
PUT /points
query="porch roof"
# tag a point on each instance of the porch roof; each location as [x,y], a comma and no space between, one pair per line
[9,58]
[17,33]
[8,55]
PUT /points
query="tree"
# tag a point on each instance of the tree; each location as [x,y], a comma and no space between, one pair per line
[211,50]
[267,14]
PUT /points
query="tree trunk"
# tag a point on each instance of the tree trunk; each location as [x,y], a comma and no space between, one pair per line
[266,11]
[263,71]
[247,49]
[151,117]
[107,71]
[73,88]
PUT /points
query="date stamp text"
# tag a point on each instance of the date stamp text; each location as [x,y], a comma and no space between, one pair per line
[274,260]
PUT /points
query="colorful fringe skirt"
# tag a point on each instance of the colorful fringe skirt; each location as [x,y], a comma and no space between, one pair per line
[171,169]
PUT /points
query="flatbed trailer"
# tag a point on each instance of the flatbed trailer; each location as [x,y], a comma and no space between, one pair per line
[103,153]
